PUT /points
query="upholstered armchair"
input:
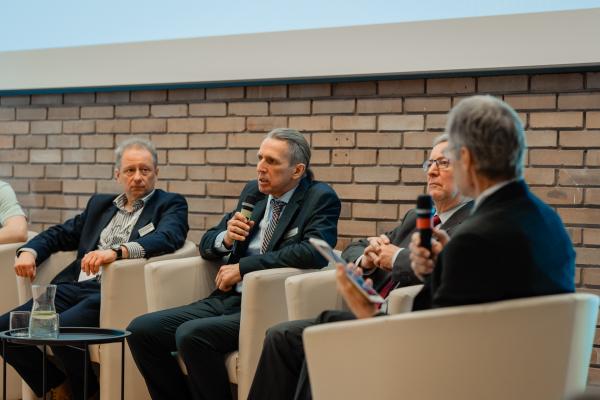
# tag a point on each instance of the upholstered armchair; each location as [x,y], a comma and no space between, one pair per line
[123,296]
[171,284]
[532,348]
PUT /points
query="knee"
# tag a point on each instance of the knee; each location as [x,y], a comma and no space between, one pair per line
[277,336]
[188,339]
[142,327]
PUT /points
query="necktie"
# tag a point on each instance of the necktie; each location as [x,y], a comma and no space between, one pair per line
[276,207]
[436,220]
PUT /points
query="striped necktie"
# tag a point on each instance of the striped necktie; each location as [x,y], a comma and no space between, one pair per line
[436,220]
[276,207]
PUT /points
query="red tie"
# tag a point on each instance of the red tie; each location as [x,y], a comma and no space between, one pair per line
[436,220]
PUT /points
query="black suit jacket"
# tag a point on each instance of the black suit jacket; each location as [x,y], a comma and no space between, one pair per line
[402,274]
[166,211]
[512,246]
[312,211]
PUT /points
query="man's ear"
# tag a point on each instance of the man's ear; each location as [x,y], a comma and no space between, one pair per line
[299,170]
[117,174]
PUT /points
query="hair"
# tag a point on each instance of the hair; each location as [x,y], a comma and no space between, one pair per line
[444,137]
[136,142]
[493,133]
[298,147]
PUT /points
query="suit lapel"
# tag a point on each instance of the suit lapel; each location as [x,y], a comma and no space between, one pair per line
[103,221]
[145,217]
[458,217]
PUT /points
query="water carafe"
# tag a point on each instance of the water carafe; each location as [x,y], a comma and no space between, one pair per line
[44,319]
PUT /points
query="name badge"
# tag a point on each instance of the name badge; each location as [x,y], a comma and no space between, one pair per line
[290,233]
[146,229]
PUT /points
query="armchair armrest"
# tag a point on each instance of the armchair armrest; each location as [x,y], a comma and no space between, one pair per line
[401,300]
[173,283]
[263,306]
[45,272]
[309,294]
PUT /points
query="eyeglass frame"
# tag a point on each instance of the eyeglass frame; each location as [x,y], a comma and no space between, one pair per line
[440,163]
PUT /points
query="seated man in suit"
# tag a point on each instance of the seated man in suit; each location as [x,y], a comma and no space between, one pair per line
[385,259]
[289,208]
[140,222]
[12,217]
[513,245]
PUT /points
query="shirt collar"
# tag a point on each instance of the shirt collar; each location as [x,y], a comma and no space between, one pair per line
[445,216]
[284,197]
[121,199]
[490,191]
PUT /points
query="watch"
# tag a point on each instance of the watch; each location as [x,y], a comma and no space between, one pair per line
[118,250]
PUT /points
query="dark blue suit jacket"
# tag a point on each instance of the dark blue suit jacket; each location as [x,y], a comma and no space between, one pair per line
[313,211]
[512,246]
[166,211]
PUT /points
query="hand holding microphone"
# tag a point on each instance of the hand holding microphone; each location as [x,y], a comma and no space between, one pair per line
[427,243]
[238,227]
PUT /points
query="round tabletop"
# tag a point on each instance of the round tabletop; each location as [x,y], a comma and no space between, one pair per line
[70,336]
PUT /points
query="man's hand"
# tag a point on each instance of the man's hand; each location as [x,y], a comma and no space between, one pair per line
[358,304]
[25,265]
[238,227]
[228,276]
[92,261]
[422,260]
[385,258]
[379,253]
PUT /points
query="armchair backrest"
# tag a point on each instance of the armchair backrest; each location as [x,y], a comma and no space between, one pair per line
[534,348]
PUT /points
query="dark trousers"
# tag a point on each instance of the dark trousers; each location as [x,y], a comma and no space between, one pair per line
[78,304]
[202,332]
[281,373]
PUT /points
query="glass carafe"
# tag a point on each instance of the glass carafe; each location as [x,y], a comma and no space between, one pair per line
[44,319]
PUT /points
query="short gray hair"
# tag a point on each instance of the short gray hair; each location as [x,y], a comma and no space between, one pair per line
[493,133]
[444,137]
[136,142]
[297,145]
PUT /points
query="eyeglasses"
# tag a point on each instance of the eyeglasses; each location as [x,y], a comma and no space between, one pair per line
[143,171]
[441,163]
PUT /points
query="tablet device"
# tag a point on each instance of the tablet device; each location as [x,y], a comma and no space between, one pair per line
[326,251]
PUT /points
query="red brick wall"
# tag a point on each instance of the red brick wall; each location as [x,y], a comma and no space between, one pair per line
[368,138]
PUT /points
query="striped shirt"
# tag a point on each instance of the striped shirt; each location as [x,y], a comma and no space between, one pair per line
[119,229]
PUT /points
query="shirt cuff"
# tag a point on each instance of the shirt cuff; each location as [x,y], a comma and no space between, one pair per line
[135,250]
[396,256]
[27,249]
[219,245]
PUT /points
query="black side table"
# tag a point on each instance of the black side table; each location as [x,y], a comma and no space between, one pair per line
[78,338]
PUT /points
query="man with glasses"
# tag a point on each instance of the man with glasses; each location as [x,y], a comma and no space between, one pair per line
[140,222]
[384,259]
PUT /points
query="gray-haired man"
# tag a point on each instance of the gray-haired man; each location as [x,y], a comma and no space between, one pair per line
[140,222]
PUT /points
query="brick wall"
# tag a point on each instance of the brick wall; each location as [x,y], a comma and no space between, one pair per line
[368,138]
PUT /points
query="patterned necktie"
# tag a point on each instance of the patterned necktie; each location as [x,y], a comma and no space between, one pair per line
[276,207]
[436,220]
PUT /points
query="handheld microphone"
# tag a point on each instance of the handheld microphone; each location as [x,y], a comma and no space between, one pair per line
[248,206]
[246,211]
[425,219]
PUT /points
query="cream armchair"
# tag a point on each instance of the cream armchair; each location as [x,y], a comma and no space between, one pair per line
[9,299]
[123,296]
[308,295]
[171,284]
[533,348]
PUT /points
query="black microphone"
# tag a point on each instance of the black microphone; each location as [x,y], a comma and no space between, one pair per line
[248,206]
[425,219]
[246,211]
